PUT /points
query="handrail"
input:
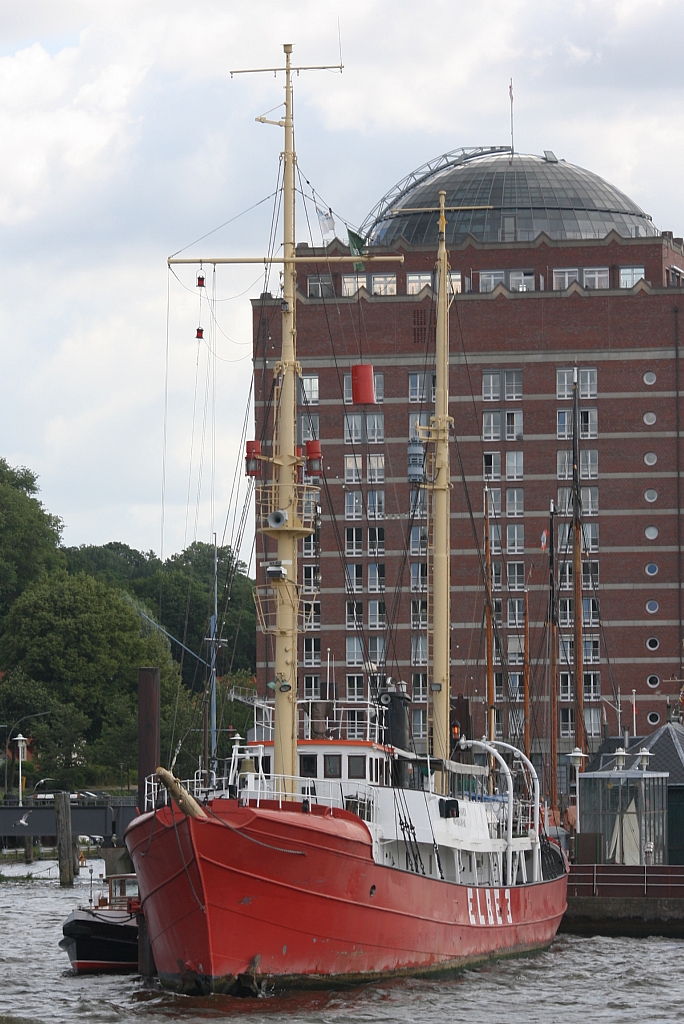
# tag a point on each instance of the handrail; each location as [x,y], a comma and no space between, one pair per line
[535,787]
[487,748]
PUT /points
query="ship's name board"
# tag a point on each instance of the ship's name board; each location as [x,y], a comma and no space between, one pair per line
[488,906]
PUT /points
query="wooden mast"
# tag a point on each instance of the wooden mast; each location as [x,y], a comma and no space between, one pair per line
[489,624]
[553,627]
[526,678]
[578,661]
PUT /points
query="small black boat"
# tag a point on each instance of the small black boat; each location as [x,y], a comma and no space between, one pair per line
[104,937]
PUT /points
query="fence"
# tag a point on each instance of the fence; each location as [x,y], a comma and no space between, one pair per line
[664,881]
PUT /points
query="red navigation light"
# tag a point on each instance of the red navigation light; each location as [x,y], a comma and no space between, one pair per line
[314,458]
[200,280]
[200,332]
[363,384]
[252,461]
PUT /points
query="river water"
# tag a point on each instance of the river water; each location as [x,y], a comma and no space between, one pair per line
[577,981]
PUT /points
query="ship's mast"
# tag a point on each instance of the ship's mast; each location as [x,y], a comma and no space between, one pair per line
[578,661]
[553,624]
[441,492]
[489,623]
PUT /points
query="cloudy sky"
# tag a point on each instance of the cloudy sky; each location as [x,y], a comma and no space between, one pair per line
[125,139]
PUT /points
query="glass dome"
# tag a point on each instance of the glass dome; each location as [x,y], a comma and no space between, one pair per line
[519,198]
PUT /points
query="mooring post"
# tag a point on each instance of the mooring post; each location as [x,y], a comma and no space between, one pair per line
[28,850]
[75,852]
[64,841]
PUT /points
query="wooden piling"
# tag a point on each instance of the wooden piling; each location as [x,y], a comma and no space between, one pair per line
[64,841]
[75,852]
[28,849]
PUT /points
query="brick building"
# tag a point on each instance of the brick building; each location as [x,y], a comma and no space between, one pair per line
[552,268]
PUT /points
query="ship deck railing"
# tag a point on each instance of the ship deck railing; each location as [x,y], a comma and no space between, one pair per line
[343,794]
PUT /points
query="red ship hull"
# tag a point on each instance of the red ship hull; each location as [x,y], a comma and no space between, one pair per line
[254,895]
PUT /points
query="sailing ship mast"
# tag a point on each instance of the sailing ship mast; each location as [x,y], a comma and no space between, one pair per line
[578,660]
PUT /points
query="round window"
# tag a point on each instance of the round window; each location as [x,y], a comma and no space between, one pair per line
[651,569]
[653,681]
[652,607]
[650,458]
[651,495]
[650,418]
[653,643]
[651,532]
[653,718]
[649,377]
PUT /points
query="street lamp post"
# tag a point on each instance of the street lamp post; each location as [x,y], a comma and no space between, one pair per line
[576,758]
[8,737]
[21,751]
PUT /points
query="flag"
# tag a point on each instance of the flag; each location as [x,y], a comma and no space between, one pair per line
[510,90]
[327,222]
[356,244]
[544,538]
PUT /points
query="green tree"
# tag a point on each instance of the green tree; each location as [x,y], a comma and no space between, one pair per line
[29,536]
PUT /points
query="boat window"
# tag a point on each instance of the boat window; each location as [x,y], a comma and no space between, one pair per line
[308,766]
[651,532]
[356,766]
[332,766]
[649,377]
[650,458]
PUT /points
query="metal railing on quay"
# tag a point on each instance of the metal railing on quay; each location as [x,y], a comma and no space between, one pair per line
[627,880]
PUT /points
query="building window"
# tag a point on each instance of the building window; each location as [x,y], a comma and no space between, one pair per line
[377,617]
[353,541]
[420,684]
[491,465]
[514,425]
[491,426]
[592,721]
[416,282]
[565,611]
[353,578]
[419,577]
[565,576]
[512,385]
[351,284]
[312,650]
[312,687]
[379,385]
[376,469]
[494,495]
[588,464]
[417,419]
[419,722]
[353,505]
[590,611]
[495,538]
[375,427]
[354,650]
[564,502]
[564,424]
[589,500]
[516,687]
[515,574]
[347,393]
[497,611]
[521,280]
[592,687]
[630,275]
[353,428]
[588,423]
[419,649]
[376,504]
[376,650]
[566,649]
[562,279]
[489,279]
[564,464]
[590,575]
[591,650]
[355,689]
[567,722]
[564,380]
[590,537]
[516,723]
[376,577]
[354,614]
[310,579]
[515,501]
[516,649]
[497,575]
[319,286]
[309,546]
[353,469]
[418,503]
[384,284]
[514,465]
[498,723]
[588,383]
[419,614]
[356,730]
[419,539]
[308,389]
[515,539]
[311,611]
[565,538]
[376,540]
[596,277]
[498,686]
[307,427]
[516,612]
[419,383]
[491,385]
[567,690]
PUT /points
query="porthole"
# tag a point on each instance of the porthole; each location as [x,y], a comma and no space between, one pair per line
[651,532]
[650,418]
[653,681]
[651,569]
[651,495]
[649,377]
[653,643]
[652,607]
[650,458]
[653,718]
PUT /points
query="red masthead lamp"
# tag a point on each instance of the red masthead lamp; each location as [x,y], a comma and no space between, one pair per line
[363,384]
[252,460]
[200,279]
[200,332]
[314,458]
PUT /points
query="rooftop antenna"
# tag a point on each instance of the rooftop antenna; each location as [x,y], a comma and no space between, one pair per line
[510,93]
